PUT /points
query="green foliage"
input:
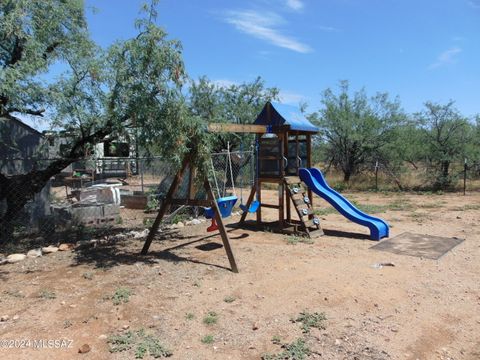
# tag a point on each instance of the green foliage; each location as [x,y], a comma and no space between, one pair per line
[123,342]
[276,340]
[142,343]
[340,186]
[294,240]
[229,299]
[88,275]
[122,295]
[67,324]
[148,222]
[47,294]
[446,136]
[179,217]
[131,87]
[207,339]
[355,129]
[211,318]
[309,320]
[370,208]
[189,316]
[467,207]
[34,35]
[297,350]
[232,103]
[150,345]
[152,203]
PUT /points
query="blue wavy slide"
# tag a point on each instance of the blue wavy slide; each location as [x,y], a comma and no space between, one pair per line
[314,179]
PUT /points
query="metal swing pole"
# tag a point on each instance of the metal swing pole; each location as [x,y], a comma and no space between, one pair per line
[231,170]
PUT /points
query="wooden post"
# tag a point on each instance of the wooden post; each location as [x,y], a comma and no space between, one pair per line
[309,165]
[165,206]
[221,227]
[465,177]
[258,183]
[297,153]
[289,214]
[259,199]
[281,214]
[191,182]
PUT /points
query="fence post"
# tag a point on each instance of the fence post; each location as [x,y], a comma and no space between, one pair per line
[465,177]
[376,175]
[141,174]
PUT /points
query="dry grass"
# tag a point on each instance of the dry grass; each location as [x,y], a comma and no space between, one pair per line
[412,179]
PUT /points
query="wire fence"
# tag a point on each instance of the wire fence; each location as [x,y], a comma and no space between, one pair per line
[462,177]
[103,196]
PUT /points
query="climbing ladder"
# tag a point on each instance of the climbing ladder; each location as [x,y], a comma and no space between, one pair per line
[309,224]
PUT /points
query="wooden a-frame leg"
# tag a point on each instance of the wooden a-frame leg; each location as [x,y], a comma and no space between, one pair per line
[164,208]
[221,227]
[249,202]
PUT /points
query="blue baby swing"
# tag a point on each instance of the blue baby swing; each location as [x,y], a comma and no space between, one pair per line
[225,203]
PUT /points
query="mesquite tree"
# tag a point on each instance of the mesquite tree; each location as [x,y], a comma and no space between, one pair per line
[132,84]
[446,138]
[355,129]
[232,103]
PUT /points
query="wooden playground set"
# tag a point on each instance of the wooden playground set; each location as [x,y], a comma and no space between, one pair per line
[283,138]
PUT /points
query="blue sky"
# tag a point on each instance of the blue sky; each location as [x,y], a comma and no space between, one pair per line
[419,50]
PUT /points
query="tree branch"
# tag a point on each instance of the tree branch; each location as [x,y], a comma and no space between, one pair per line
[50,48]
[38,112]
[16,53]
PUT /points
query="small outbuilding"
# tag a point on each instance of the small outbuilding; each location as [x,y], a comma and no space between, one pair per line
[22,149]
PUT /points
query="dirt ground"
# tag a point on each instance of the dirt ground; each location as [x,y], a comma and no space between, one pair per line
[417,309]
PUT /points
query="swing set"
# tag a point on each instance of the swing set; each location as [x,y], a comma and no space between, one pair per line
[282,147]
[227,203]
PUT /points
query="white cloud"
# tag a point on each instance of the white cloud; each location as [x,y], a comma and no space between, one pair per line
[447,57]
[474,3]
[291,98]
[296,5]
[265,27]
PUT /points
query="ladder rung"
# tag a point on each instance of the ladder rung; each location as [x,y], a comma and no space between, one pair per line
[308,212]
[299,201]
[316,233]
[310,223]
[292,180]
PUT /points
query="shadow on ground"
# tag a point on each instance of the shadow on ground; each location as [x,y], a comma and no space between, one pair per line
[345,234]
[127,252]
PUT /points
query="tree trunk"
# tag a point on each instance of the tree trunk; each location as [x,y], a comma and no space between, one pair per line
[445,168]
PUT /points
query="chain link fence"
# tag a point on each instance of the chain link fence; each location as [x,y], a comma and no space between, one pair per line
[102,196]
[232,173]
